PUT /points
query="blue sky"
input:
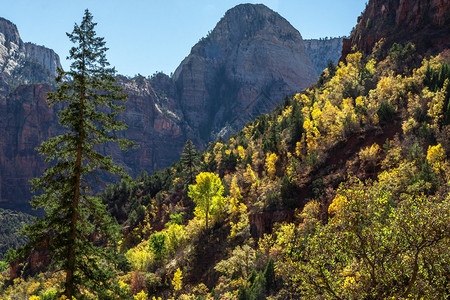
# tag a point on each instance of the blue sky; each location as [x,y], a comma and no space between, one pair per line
[145,36]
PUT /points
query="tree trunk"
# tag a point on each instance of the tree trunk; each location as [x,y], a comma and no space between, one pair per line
[71,259]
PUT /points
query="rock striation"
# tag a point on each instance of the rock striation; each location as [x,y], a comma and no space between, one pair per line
[426,23]
[322,51]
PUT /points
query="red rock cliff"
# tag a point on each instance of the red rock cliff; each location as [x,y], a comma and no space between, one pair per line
[426,23]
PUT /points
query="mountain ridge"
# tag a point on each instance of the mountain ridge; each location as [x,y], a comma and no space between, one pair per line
[221,85]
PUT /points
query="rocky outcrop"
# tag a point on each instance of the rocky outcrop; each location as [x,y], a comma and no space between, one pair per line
[23,63]
[426,23]
[250,61]
[43,56]
[322,51]
[10,48]
[155,123]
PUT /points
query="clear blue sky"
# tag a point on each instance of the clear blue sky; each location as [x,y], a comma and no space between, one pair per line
[145,36]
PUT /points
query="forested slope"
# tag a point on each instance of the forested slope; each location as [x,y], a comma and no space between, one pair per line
[341,192]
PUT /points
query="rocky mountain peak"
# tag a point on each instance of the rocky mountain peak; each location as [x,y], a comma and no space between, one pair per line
[247,21]
[23,63]
[248,63]
[9,33]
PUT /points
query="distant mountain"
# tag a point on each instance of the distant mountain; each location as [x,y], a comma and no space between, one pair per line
[322,51]
[250,61]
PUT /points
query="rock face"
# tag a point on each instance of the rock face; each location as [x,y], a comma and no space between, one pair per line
[12,48]
[426,23]
[250,61]
[322,51]
[23,63]
[246,65]
[26,120]
[155,123]
[43,56]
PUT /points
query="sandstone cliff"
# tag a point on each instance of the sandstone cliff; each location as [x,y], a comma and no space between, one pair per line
[155,123]
[322,51]
[250,61]
[26,121]
[426,23]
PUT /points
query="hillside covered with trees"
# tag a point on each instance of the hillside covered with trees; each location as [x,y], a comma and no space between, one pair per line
[342,192]
[11,223]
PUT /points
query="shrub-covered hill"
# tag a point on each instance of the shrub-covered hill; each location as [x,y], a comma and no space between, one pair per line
[341,192]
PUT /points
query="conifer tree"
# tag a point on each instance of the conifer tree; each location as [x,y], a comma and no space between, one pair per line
[295,124]
[189,161]
[76,229]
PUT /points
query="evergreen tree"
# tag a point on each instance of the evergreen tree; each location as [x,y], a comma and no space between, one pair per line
[269,275]
[295,124]
[76,229]
[189,161]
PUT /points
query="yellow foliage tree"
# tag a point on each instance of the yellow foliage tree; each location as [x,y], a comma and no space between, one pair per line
[436,157]
[312,135]
[436,105]
[141,296]
[369,155]
[271,160]
[235,196]
[242,223]
[241,151]
[338,203]
[207,195]
[177,281]
[139,257]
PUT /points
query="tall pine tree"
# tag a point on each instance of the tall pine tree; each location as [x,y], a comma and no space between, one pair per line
[189,161]
[76,229]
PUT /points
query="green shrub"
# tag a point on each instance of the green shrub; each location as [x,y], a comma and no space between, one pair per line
[49,295]
[158,245]
[385,112]
[3,266]
[289,192]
